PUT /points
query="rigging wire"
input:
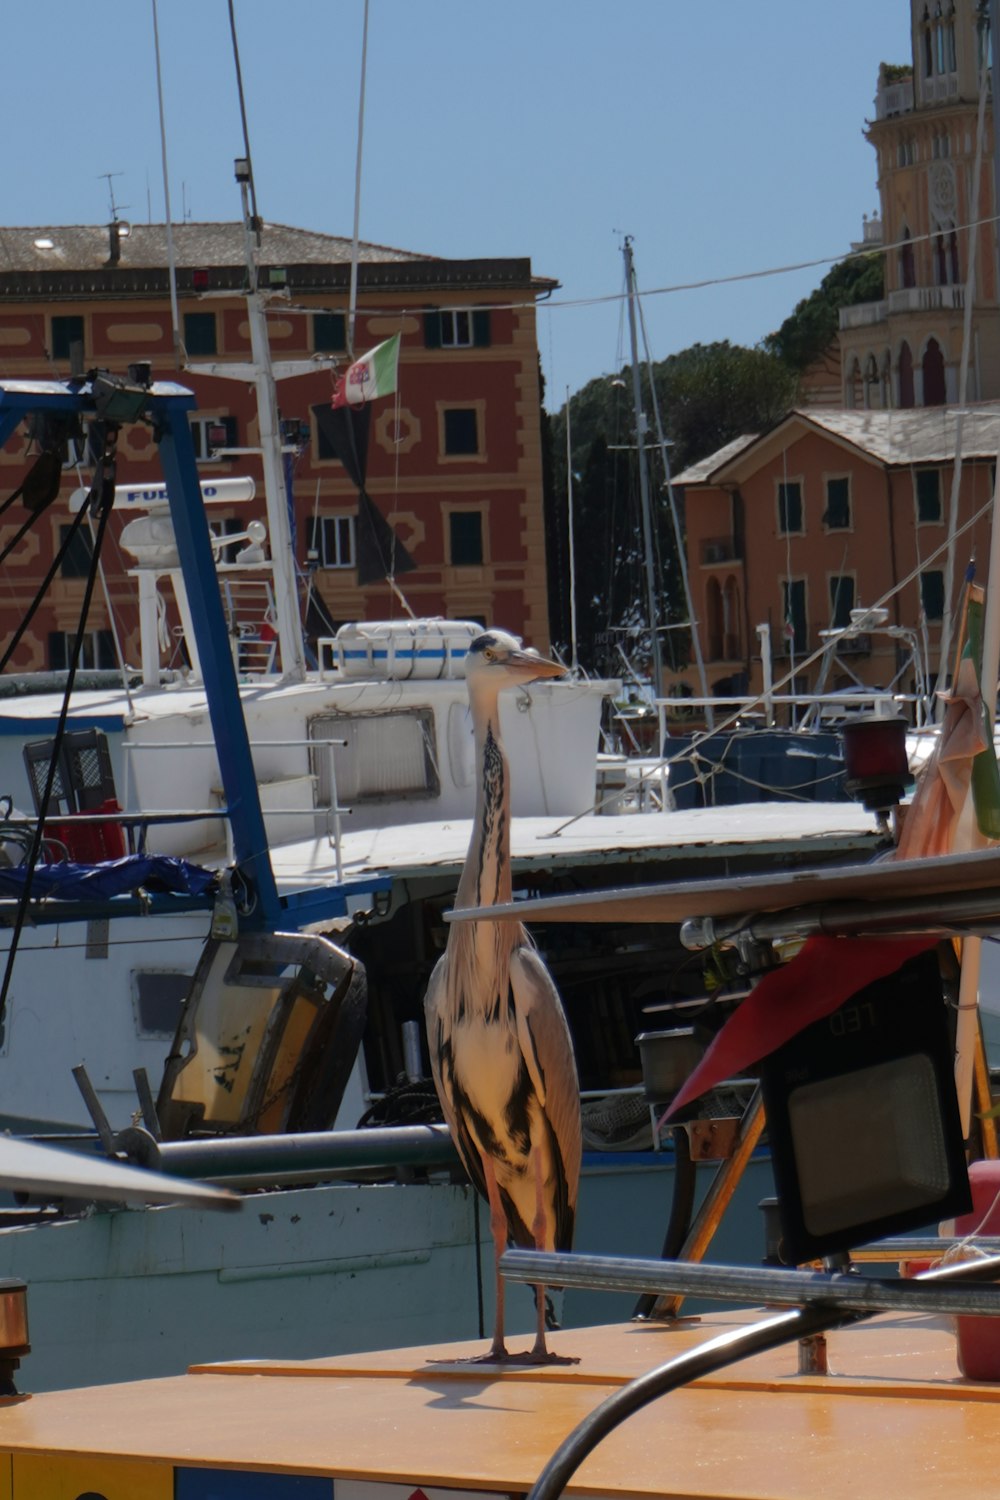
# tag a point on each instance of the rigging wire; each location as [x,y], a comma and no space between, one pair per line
[944,646]
[103,493]
[243,119]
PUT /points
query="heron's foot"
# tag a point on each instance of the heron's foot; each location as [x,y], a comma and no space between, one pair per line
[542,1357]
[502,1356]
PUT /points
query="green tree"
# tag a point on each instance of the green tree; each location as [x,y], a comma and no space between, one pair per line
[807,334]
[707,395]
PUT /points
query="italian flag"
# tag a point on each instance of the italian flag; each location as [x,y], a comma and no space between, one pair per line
[374,374]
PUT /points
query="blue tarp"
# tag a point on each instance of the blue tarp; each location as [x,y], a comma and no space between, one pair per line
[115,877]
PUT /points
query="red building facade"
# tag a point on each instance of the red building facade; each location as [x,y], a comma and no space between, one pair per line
[454,459]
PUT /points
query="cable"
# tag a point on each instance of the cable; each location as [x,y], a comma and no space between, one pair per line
[105,478]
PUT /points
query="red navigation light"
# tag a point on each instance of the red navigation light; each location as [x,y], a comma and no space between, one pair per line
[877,772]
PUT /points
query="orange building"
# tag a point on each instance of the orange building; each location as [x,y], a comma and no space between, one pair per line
[828,512]
[846,504]
[454,459]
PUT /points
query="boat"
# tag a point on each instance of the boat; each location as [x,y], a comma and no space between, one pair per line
[159,771]
[807,1381]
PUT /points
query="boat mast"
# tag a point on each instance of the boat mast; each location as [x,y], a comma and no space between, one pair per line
[293,664]
[572,550]
[640,438]
[352,301]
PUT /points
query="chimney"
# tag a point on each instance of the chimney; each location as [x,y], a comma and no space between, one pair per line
[118,230]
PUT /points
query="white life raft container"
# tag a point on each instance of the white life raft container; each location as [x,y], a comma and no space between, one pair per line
[401,649]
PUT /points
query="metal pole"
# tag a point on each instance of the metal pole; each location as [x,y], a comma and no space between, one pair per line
[293,662]
[352,303]
[678,541]
[640,438]
[175,319]
[572,552]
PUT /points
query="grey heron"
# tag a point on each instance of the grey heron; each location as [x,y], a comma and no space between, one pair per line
[500,1047]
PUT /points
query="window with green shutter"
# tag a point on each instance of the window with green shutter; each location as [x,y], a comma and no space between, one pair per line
[200,336]
[66,331]
[790,508]
[466,538]
[329,333]
[928,495]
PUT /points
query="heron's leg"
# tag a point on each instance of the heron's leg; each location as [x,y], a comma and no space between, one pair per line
[498,1228]
[538,1228]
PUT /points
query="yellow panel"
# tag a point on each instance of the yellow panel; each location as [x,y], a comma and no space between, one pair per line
[37,1477]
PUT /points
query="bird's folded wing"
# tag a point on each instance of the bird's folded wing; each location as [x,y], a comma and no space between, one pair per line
[547,1047]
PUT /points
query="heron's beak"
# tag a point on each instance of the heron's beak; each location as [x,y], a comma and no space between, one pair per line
[532,666]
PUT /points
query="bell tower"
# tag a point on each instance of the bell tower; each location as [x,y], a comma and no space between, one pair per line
[906,350]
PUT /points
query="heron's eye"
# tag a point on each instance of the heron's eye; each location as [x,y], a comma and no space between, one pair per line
[489,654]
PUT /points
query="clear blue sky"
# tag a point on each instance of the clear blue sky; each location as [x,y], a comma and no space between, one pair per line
[724,137]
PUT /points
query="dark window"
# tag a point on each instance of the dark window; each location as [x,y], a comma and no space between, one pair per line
[466,538]
[461,430]
[928,494]
[98,650]
[457,328]
[324,447]
[199,333]
[76,558]
[838,504]
[794,599]
[329,333]
[331,539]
[159,998]
[932,594]
[789,507]
[66,331]
[907,261]
[841,601]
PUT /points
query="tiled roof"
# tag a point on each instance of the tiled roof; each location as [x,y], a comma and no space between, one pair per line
[926,434]
[82,260]
[699,472]
[87,247]
[918,435]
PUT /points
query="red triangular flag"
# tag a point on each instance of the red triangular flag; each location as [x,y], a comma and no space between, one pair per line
[822,976]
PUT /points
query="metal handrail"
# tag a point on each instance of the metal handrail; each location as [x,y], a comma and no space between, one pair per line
[862,1294]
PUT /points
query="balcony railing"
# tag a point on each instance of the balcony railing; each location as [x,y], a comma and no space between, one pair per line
[927,299]
[863,315]
[894,99]
[720,549]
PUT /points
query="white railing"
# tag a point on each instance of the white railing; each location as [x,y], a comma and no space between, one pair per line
[894,99]
[334,811]
[863,314]
[927,299]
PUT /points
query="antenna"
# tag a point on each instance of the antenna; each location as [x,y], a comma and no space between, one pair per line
[115,207]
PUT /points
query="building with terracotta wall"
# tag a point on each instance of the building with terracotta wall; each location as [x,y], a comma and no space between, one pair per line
[841,502]
[827,512]
[936,220]
[454,459]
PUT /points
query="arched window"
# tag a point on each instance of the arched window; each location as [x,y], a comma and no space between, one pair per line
[731,620]
[713,618]
[927,39]
[871,381]
[907,261]
[933,367]
[885,382]
[855,391]
[905,376]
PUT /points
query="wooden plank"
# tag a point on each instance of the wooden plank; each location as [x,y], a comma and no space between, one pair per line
[892,1418]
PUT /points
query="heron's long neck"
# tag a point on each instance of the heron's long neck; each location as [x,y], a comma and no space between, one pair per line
[486,878]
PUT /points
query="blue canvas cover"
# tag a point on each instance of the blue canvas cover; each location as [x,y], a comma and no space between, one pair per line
[116,877]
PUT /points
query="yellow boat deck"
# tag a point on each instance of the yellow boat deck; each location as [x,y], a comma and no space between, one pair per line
[892,1418]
